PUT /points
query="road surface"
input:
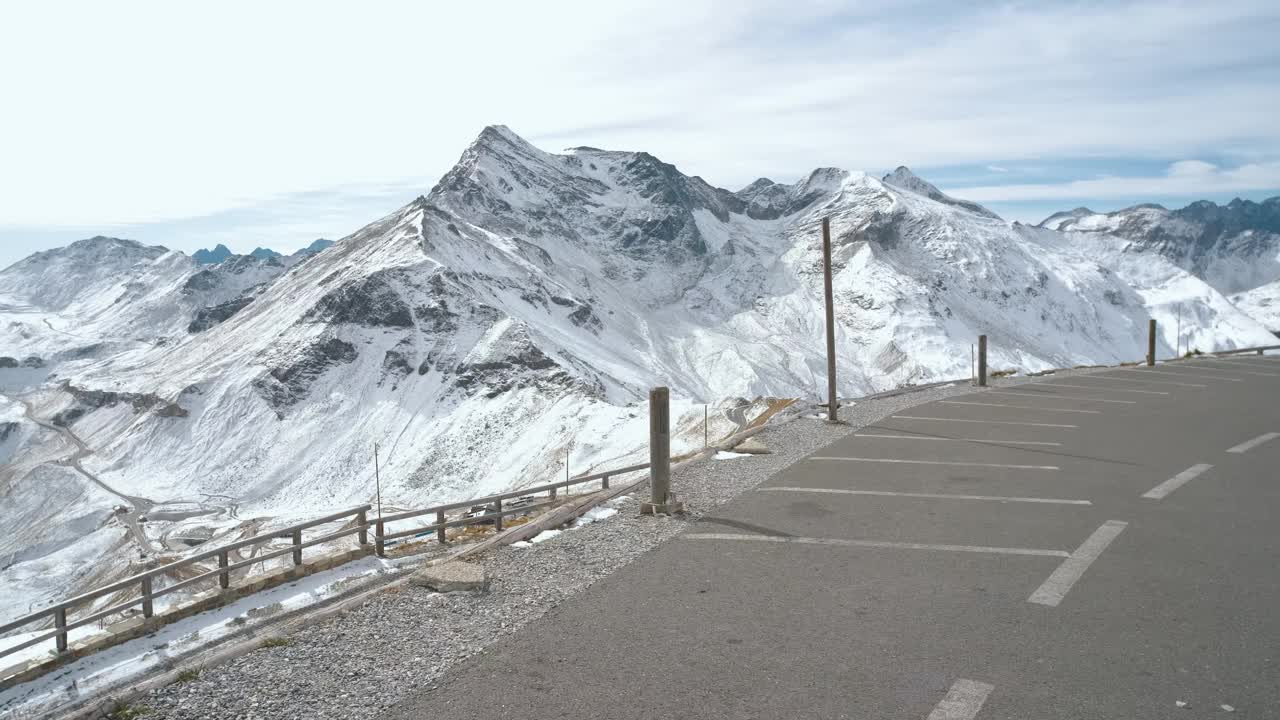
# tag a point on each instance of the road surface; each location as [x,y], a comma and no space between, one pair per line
[1085,548]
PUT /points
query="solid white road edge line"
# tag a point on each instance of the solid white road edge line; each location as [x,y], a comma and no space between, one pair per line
[940,496]
[935,462]
[984,422]
[787,539]
[1019,407]
[947,439]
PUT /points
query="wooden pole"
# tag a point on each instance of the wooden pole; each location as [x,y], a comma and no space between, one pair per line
[1177,346]
[1151,343]
[661,499]
[982,361]
[377,480]
[833,404]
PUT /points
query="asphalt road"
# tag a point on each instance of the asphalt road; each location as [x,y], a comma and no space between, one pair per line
[988,560]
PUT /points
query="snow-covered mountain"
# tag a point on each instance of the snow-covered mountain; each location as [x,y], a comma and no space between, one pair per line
[517,313]
[1233,247]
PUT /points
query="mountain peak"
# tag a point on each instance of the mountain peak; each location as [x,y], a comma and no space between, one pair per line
[904,179]
[497,137]
[264,253]
[219,253]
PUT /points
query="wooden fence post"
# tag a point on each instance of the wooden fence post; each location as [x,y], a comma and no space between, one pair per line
[661,499]
[440,534]
[60,622]
[224,577]
[297,547]
[833,402]
[362,519]
[982,361]
[1151,343]
[148,609]
[379,547]
[497,521]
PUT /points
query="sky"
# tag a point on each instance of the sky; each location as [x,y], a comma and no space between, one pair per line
[272,124]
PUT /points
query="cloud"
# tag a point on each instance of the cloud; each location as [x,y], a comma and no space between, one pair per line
[1185,178]
[138,113]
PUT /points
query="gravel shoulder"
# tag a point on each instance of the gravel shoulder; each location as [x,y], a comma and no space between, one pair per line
[360,662]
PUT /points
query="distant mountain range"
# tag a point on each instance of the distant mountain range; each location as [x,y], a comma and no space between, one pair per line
[516,315]
[1233,247]
[221,253]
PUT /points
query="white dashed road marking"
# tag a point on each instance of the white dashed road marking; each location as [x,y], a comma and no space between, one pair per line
[1247,446]
[1053,590]
[1162,490]
[963,701]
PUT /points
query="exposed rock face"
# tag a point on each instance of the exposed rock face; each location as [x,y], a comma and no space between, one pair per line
[86,401]
[372,301]
[8,362]
[209,316]
[285,386]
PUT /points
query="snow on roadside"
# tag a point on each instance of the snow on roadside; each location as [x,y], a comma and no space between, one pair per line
[118,664]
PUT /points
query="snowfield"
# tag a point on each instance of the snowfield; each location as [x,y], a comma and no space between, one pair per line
[508,322]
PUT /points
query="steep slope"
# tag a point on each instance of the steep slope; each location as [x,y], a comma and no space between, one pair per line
[1233,247]
[520,311]
[100,297]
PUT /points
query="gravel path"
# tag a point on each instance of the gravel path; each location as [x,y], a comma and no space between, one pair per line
[357,663]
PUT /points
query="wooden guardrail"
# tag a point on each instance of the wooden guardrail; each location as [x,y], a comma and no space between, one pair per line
[495,510]
[145,581]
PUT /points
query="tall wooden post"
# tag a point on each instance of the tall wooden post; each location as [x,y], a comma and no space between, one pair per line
[833,403]
[1151,343]
[982,361]
[661,500]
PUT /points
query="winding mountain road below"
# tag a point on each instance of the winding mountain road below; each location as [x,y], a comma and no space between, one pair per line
[138,506]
